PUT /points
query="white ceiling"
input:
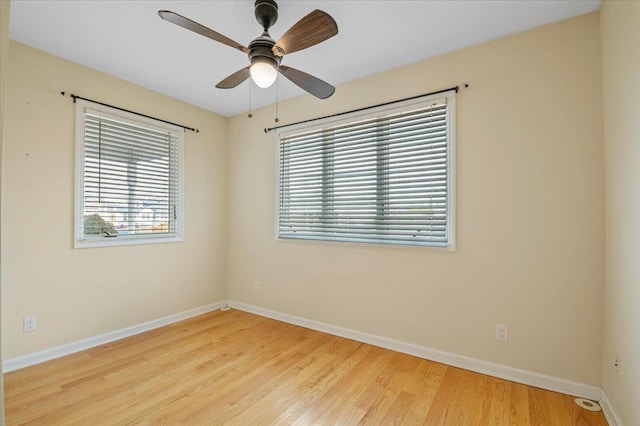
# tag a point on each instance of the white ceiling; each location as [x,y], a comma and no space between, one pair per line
[128,40]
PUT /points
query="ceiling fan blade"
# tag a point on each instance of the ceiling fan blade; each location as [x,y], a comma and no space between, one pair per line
[234,79]
[187,23]
[314,28]
[315,86]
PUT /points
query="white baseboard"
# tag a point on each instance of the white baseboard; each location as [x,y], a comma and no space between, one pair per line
[472,364]
[80,345]
[610,413]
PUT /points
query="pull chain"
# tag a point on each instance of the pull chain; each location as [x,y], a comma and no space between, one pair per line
[277,97]
[250,107]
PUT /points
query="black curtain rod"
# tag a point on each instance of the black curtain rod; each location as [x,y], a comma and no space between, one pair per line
[74,97]
[456,88]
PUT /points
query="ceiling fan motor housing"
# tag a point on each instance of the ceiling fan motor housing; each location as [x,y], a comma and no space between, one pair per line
[261,48]
[266,13]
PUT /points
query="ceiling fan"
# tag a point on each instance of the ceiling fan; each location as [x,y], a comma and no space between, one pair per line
[265,54]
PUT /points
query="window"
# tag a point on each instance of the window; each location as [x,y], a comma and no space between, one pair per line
[128,178]
[385,177]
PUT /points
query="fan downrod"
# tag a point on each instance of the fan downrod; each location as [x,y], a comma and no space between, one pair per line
[266,13]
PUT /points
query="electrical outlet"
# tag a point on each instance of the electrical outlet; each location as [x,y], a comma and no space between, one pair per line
[502,332]
[29,324]
[256,286]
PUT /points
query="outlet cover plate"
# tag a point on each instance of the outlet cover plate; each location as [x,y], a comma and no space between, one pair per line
[29,324]
[502,332]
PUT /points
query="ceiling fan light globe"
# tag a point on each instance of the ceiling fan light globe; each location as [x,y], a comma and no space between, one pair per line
[263,73]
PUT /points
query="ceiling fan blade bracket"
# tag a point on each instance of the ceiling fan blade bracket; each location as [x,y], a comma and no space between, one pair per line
[278,51]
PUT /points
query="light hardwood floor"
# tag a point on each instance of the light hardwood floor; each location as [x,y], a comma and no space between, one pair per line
[237,368]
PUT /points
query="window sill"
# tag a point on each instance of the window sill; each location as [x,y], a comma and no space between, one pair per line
[362,244]
[124,241]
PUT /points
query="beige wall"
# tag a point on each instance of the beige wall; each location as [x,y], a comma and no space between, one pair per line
[530,213]
[5,7]
[81,293]
[620,25]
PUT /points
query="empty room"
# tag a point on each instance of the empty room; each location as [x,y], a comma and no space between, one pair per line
[320,212]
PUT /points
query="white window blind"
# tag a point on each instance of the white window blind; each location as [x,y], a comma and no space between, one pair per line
[380,179]
[129,180]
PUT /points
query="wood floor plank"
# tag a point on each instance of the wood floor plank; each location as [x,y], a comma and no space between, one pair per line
[428,386]
[344,362]
[439,410]
[340,404]
[351,371]
[539,411]
[403,366]
[398,410]
[471,397]
[237,368]
[496,412]
[518,404]
[371,396]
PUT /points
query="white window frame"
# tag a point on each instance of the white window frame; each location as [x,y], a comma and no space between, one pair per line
[370,114]
[82,241]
